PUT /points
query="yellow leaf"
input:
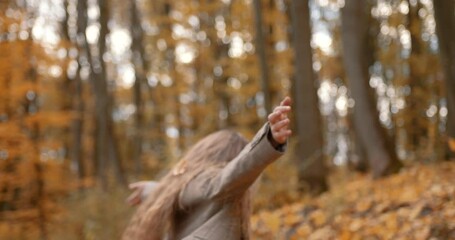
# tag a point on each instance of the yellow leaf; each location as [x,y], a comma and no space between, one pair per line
[345,235]
[292,219]
[364,205]
[271,220]
[303,231]
[422,233]
[356,225]
[318,218]
[452,144]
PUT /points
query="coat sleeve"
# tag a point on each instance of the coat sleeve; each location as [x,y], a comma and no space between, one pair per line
[236,177]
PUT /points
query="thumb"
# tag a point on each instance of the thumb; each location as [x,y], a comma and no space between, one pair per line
[286,102]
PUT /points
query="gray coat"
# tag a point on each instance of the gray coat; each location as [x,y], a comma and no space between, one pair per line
[209,201]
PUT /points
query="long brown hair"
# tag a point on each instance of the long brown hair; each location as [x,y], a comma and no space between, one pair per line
[154,218]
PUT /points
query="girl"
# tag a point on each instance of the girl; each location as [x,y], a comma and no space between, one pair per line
[207,194]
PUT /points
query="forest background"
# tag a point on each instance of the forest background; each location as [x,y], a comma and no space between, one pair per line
[95,94]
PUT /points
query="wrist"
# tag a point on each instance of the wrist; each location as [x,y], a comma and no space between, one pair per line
[273,142]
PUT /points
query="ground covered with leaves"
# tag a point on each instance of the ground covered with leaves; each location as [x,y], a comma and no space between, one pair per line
[417,203]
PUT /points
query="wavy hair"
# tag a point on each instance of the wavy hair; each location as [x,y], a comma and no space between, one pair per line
[154,218]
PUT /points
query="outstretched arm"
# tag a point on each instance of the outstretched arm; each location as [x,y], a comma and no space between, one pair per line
[239,174]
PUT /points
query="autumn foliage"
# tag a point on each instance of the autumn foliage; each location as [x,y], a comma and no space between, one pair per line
[417,203]
[98,93]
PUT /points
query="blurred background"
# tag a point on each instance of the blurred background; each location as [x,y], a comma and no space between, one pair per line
[95,94]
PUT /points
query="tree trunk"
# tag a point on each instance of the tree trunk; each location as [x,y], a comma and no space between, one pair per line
[445,27]
[34,130]
[105,141]
[140,71]
[358,159]
[379,150]
[39,167]
[40,199]
[262,55]
[415,130]
[113,150]
[309,150]
[78,103]
[98,78]
[82,40]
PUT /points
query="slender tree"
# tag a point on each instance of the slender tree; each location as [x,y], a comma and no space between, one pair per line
[416,126]
[78,103]
[113,149]
[31,108]
[309,149]
[372,137]
[262,54]
[140,72]
[105,141]
[157,10]
[445,27]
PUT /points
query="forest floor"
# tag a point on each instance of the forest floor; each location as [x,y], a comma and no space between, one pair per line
[417,203]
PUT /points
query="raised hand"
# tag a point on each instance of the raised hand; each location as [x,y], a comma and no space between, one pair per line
[138,189]
[279,121]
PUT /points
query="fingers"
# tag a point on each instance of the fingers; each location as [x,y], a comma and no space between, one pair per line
[279,121]
[282,109]
[280,125]
[134,198]
[286,102]
[278,113]
[136,185]
[282,135]
[280,131]
[132,186]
